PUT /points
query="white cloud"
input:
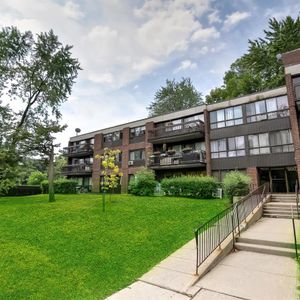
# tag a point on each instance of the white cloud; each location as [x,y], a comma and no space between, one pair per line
[185,65]
[205,34]
[73,10]
[235,18]
[214,17]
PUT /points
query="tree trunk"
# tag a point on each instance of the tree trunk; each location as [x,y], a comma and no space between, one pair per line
[51,175]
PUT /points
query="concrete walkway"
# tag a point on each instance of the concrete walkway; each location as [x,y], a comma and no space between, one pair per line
[241,275]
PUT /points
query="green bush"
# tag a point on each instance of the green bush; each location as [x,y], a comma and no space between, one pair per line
[36,177]
[61,186]
[143,183]
[236,184]
[190,186]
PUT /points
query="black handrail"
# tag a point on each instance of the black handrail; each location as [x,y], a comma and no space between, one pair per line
[297,197]
[295,234]
[210,235]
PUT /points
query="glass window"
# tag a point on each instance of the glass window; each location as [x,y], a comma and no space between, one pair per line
[137,154]
[226,117]
[230,147]
[273,142]
[137,131]
[271,105]
[275,107]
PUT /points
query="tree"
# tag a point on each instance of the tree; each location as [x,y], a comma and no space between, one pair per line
[36,177]
[111,172]
[175,96]
[39,72]
[59,163]
[259,68]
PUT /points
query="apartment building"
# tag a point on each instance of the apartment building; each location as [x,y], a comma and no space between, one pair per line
[257,134]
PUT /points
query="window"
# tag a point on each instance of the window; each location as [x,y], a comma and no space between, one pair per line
[173,125]
[119,157]
[267,109]
[226,117]
[272,142]
[236,146]
[296,82]
[218,148]
[259,143]
[137,131]
[193,121]
[137,154]
[112,137]
[230,147]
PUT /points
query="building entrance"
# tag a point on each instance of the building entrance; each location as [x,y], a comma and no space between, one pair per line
[282,180]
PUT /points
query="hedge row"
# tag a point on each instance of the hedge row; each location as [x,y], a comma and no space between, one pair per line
[61,186]
[24,190]
[190,186]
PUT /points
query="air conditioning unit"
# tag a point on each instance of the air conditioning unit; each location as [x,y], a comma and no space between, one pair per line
[130,163]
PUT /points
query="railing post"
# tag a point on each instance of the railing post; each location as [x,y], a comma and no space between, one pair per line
[219,231]
[238,219]
[197,249]
[295,238]
[232,223]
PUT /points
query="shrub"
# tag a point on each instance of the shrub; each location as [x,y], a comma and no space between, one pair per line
[36,177]
[61,186]
[236,184]
[24,190]
[143,183]
[190,186]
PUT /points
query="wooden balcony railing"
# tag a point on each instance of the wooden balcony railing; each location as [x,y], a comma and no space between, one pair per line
[81,149]
[77,169]
[179,158]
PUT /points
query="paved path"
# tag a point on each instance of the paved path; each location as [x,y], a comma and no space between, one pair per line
[241,275]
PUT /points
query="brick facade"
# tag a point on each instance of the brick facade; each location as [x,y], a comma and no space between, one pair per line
[207,142]
[252,163]
[253,173]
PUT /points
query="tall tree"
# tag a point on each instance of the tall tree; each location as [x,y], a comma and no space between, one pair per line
[175,96]
[259,68]
[37,72]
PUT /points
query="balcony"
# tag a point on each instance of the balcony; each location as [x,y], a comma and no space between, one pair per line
[179,160]
[79,150]
[80,169]
[177,132]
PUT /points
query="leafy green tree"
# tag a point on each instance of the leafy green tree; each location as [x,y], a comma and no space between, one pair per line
[59,163]
[39,72]
[36,178]
[259,68]
[175,96]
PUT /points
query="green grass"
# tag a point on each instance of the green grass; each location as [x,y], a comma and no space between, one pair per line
[70,249]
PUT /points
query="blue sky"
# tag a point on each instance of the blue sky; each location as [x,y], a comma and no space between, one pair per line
[128,49]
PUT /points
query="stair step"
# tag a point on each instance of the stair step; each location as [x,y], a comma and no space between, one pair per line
[254,241]
[266,249]
[284,200]
[277,216]
[279,211]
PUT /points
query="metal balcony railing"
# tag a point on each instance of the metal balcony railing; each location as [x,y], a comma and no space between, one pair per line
[78,149]
[178,158]
[77,169]
[177,129]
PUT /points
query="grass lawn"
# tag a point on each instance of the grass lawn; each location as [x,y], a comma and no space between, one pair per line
[70,249]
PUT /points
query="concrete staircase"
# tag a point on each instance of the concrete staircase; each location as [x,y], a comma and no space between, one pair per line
[266,247]
[269,236]
[281,206]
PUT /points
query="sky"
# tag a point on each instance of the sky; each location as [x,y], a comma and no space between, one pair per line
[128,48]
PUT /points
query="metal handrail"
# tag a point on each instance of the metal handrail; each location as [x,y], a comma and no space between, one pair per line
[297,197]
[295,234]
[211,234]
